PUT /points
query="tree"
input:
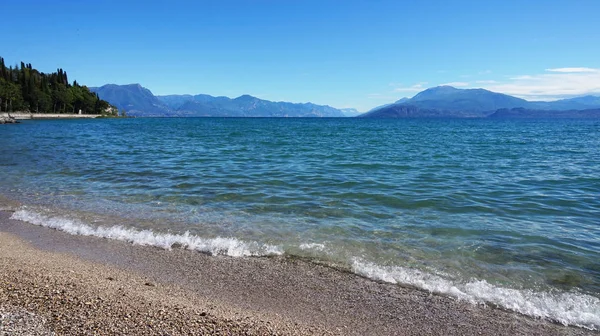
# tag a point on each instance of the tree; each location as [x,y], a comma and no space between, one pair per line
[11,95]
[3,70]
[76,98]
[24,88]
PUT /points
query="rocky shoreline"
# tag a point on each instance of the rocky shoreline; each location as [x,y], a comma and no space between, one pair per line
[8,120]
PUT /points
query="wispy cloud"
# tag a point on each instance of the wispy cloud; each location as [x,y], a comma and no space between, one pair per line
[489,81]
[522,77]
[456,84]
[550,85]
[484,72]
[418,87]
[573,70]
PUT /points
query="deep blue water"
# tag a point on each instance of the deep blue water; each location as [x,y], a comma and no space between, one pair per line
[496,211]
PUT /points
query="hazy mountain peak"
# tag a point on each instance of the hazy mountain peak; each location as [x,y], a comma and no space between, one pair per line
[246,97]
[134,98]
[435,92]
[444,88]
[134,86]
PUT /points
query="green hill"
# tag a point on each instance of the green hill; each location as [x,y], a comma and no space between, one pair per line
[23,88]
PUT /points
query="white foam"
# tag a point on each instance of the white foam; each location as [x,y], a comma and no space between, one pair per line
[569,308]
[215,246]
[312,246]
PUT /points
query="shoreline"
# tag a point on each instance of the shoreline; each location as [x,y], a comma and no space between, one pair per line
[245,294]
[39,116]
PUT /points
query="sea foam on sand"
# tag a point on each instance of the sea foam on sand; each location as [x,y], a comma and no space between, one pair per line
[568,308]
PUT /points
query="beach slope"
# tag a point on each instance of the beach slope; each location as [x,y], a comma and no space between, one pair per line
[53,282]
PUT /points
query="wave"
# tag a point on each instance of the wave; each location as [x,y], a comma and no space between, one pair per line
[214,246]
[568,308]
[313,246]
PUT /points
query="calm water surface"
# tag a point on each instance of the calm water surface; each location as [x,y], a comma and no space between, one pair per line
[506,212]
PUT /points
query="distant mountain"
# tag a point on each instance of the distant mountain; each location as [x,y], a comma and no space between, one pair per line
[527,113]
[174,101]
[350,112]
[447,101]
[133,98]
[477,101]
[404,111]
[139,101]
[577,103]
[399,101]
[245,106]
[379,107]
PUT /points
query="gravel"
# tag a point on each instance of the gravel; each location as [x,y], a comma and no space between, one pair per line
[52,282]
[15,321]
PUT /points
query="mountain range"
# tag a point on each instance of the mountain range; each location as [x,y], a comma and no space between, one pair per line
[448,101]
[436,102]
[139,101]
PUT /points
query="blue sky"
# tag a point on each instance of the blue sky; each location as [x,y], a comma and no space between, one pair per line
[342,53]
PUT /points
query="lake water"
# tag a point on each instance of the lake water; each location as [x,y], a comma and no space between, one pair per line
[490,211]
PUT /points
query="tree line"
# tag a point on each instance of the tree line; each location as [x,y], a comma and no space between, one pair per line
[23,88]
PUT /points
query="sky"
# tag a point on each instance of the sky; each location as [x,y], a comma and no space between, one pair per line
[343,53]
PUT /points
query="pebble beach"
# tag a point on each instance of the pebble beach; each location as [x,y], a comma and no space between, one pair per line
[52,283]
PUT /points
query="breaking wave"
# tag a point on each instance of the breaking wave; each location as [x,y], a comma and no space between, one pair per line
[214,246]
[568,308]
[313,246]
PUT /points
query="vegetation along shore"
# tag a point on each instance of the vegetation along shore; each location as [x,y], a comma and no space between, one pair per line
[25,89]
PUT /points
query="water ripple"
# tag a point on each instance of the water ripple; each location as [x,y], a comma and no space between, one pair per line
[508,202]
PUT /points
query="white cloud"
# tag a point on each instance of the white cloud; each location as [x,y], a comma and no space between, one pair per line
[418,87]
[524,77]
[457,84]
[485,72]
[573,70]
[489,81]
[551,85]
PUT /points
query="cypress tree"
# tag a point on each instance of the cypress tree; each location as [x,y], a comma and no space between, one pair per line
[25,88]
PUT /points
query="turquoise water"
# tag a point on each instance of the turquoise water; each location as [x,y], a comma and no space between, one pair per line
[502,212]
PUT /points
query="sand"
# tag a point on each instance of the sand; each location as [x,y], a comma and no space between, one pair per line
[55,283]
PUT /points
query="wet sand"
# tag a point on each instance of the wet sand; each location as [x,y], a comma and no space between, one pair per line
[73,285]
